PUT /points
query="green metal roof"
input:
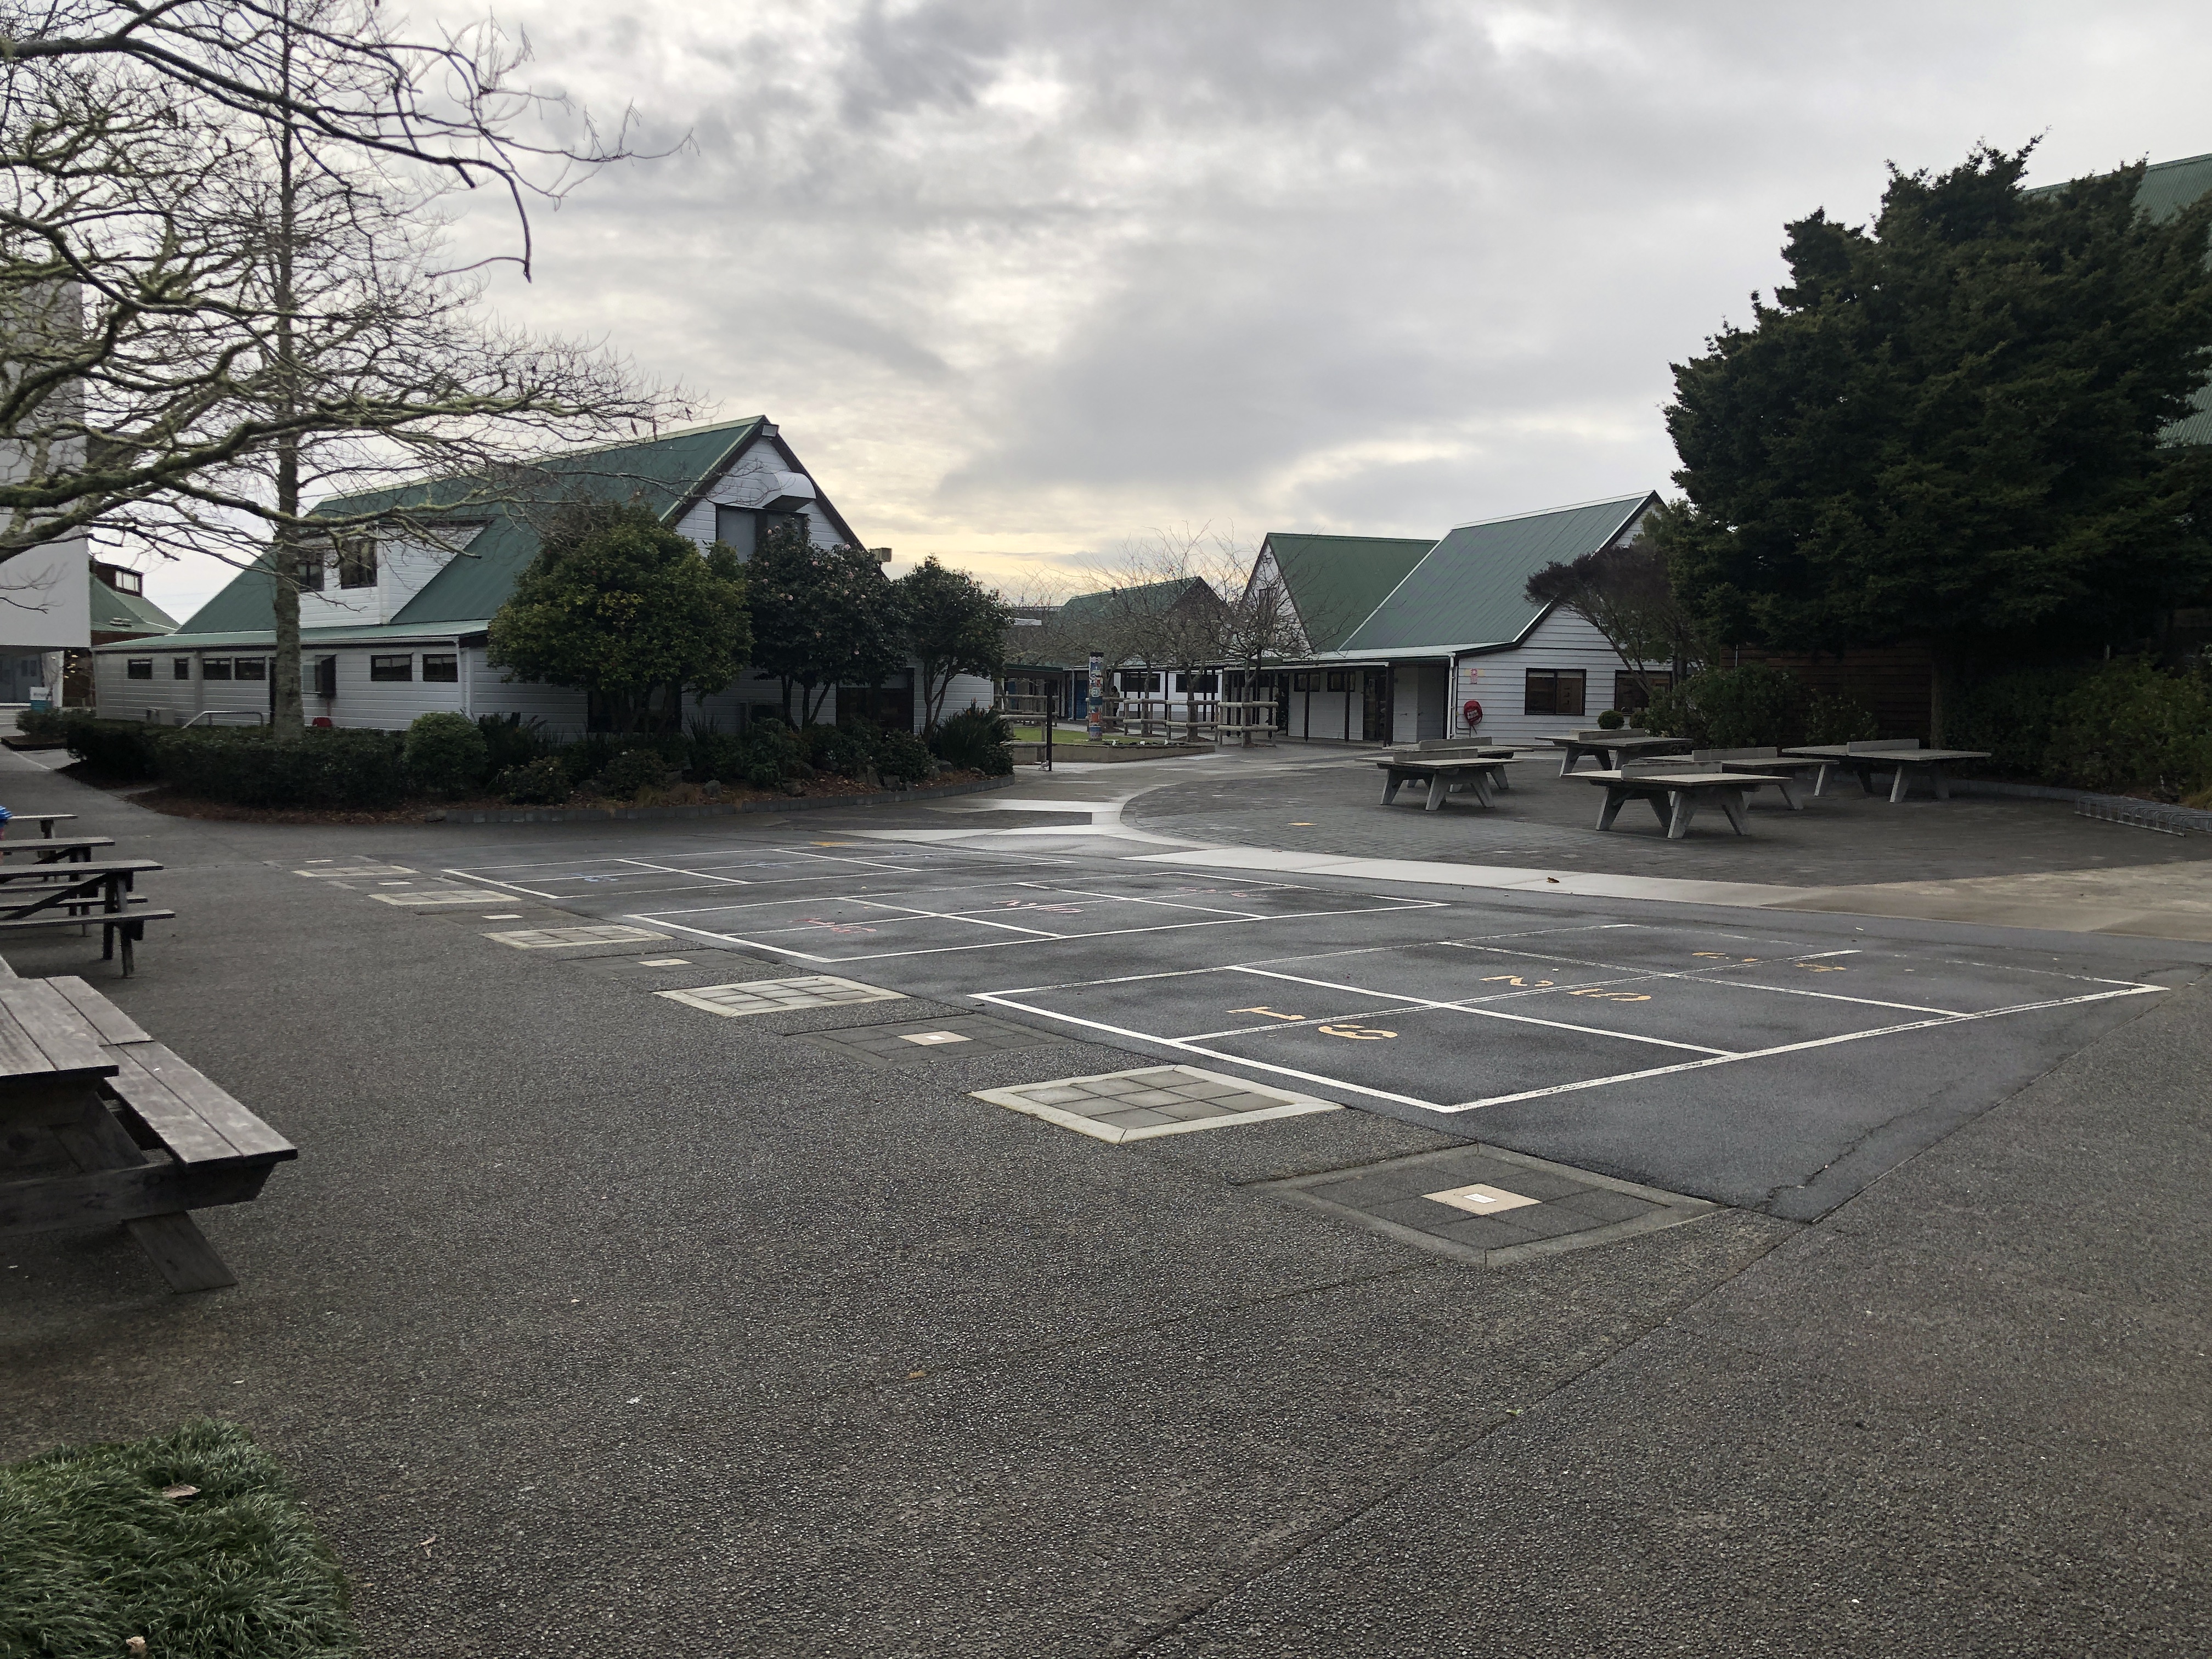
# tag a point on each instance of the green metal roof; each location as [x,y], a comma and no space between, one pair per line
[1336,582]
[1149,598]
[667,473]
[114,611]
[243,639]
[1468,592]
[2166,188]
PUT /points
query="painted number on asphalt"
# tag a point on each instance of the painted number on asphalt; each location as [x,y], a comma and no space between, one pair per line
[1356,1033]
[1612,996]
[1514,979]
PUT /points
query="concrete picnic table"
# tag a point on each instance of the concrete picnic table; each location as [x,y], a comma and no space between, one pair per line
[1904,756]
[1676,794]
[1613,749]
[1478,773]
[1788,773]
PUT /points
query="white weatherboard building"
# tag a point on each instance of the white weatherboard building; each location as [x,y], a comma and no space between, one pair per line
[1415,640]
[390,630]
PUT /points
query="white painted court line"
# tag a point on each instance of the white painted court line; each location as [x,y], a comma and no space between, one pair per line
[1568,883]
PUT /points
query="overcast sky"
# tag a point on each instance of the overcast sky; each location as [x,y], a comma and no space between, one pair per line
[1021,281]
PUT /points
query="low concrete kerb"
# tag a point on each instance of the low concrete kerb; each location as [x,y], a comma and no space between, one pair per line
[715,810]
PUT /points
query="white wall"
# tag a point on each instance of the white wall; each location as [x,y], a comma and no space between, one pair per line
[1498,680]
[748,484]
[45,598]
[403,569]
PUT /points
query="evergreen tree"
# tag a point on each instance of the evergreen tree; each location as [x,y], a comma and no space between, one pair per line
[618,604]
[1946,427]
[955,625]
[823,617]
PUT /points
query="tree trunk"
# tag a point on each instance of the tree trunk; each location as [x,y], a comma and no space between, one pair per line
[287,716]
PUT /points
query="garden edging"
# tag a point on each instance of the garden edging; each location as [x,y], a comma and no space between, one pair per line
[713,809]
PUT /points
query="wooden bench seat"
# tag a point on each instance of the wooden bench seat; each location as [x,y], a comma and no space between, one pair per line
[129,925]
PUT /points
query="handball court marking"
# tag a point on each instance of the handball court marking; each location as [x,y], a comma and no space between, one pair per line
[764,924]
[575,878]
[1612,980]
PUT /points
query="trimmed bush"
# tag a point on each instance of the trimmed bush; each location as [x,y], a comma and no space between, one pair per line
[116,749]
[766,753]
[542,782]
[1750,707]
[975,739]
[2129,725]
[901,757]
[44,725]
[446,755]
[1612,721]
[633,770]
[327,768]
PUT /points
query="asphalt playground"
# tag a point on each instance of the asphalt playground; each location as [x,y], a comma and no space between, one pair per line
[1187,1209]
[1776,1068]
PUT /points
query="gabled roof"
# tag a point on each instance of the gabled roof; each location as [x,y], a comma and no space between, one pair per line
[1146,600]
[1335,581]
[2166,188]
[1467,594]
[114,611]
[668,473]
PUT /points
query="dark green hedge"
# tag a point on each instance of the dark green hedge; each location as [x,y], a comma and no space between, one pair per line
[327,768]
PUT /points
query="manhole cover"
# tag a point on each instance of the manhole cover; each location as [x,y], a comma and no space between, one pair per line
[543,938]
[1153,1100]
[916,1041]
[771,996]
[1485,1204]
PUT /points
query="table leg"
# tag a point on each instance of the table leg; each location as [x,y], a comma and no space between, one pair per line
[1686,808]
[1568,758]
[1439,786]
[1731,802]
[1900,783]
[1941,780]
[1866,779]
[1820,779]
[1390,782]
[1480,785]
[1789,788]
[1614,799]
[174,1242]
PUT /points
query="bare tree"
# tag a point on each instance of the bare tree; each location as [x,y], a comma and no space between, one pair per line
[134,320]
[1625,595]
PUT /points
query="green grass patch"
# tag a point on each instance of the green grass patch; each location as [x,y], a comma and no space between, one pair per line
[92,1554]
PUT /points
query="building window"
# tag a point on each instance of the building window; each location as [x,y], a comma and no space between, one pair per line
[392,668]
[138,668]
[1336,679]
[442,666]
[215,668]
[308,572]
[1554,692]
[734,527]
[1205,685]
[1633,691]
[122,580]
[358,562]
[181,667]
[250,668]
[326,677]
[1136,681]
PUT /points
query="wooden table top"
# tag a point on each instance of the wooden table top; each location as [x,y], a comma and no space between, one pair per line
[44,1039]
[91,871]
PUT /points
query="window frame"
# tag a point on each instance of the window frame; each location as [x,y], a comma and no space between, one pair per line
[381,672]
[1555,680]
[137,668]
[181,668]
[215,668]
[358,562]
[444,658]
[249,668]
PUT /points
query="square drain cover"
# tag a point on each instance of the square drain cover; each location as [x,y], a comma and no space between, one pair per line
[545,939]
[1479,1199]
[1154,1100]
[775,996]
[917,1041]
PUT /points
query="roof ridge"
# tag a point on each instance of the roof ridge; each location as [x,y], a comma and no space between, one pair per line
[1546,511]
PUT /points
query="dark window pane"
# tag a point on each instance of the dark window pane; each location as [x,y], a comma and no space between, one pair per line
[310,571]
[1541,693]
[251,668]
[392,668]
[1572,681]
[326,677]
[180,667]
[444,666]
[358,562]
[215,668]
[138,668]
[734,527]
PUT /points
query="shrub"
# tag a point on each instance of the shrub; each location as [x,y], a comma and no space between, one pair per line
[2128,724]
[117,749]
[641,767]
[2011,715]
[1612,721]
[714,757]
[44,725]
[901,757]
[541,782]
[325,768]
[848,749]
[975,739]
[446,754]
[1749,706]
[1839,719]
[766,753]
[511,741]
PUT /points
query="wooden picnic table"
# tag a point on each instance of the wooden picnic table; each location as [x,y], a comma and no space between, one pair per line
[1676,794]
[146,1138]
[46,821]
[1476,774]
[1903,756]
[1613,749]
[52,849]
[38,896]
